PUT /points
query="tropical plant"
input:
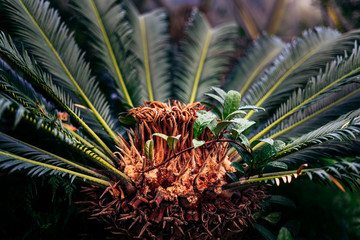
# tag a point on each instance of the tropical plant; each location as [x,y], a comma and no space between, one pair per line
[183,169]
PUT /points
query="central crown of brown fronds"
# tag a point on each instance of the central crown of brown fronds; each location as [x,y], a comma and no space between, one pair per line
[174,189]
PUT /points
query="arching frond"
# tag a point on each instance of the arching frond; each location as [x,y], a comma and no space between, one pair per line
[256,60]
[44,81]
[335,76]
[23,149]
[63,135]
[345,172]
[295,65]
[109,35]
[49,40]
[151,46]
[203,58]
[13,163]
[343,129]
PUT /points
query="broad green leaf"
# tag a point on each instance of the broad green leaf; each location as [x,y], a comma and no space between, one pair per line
[240,126]
[231,103]
[163,136]
[203,120]
[273,217]
[277,165]
[250,107]
[197,143]
[238,166]
[170,140]
[266,140]
[149,149]
[269,150]
[244,154]
[284,234]
[233,114]
[281,200]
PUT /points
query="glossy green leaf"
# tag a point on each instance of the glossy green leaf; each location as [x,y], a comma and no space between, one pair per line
[277,165]
[172,141]
[234,114]
[273,217]
[238,166]
[240,126]
[197,143]
[149,149]
[203,120]
[231,103]
[284,234]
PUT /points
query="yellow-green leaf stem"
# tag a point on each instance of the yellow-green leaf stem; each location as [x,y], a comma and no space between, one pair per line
[146,58]
[124,178]
[112,55]
[82,95]
[284,76]
[91,179]
[308,118]
[58,101]
[201,66]
[268,128]
[77,166]
[262,64]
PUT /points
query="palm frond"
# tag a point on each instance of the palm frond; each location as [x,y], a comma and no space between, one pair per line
[61,134]
[15,146]
[110,39]
[151,46]
[256,60]
[203,58]
[295,65]
[49,40]
[316,114]
[346,172]
[34,168]
[345,128]
[44,81]
[336,75]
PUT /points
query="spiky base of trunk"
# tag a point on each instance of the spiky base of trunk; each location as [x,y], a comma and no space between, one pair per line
[153,218]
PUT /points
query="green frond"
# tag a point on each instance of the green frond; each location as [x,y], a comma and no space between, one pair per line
[316,114]
[203,58]
[44,81]
[345,128]
[16,88]
[109,35]
[34,168]
[335,76]
[249,68]
[63,135]
[345,172]
[31,152]
[49,40]
[295,65]
[151,47]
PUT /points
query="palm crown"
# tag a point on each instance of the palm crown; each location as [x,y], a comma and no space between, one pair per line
[309,90]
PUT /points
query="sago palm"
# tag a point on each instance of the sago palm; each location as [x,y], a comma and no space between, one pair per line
[125,120]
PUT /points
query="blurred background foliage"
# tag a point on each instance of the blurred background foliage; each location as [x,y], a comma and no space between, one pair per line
[39,209]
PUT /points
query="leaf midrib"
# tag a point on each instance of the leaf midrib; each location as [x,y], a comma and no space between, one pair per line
[146,58]
[81,93]
[284,76]
[268,128]
[112,55]
[201,65]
